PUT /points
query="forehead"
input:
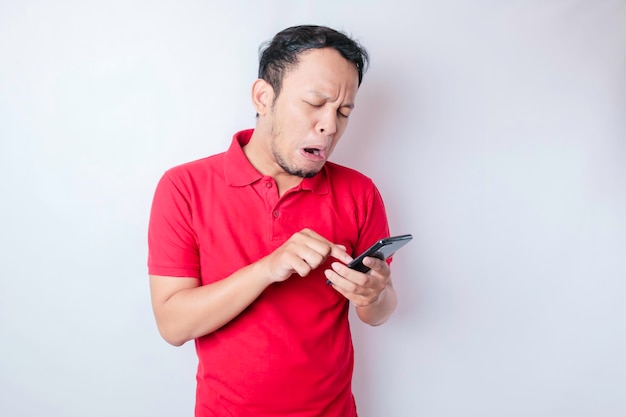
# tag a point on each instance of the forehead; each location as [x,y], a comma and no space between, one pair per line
[322,69]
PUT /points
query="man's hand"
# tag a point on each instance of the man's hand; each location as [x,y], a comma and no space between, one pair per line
[372,292]
[361,288]
[302,253]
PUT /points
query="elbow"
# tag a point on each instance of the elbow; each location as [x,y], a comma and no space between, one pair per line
[173,341]
[374,321]
[378,322]
[172,336]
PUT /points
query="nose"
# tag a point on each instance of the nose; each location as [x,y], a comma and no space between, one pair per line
[327,125]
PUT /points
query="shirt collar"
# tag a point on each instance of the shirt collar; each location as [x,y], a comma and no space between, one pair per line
[239,171]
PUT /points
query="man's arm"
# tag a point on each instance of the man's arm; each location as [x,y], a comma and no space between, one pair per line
[185,310]
[372,293]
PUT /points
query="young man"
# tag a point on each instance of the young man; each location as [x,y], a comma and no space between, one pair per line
[247,248]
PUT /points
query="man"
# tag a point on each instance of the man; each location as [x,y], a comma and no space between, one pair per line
[247,248]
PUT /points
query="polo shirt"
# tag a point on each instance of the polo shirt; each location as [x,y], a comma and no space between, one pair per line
[290,352]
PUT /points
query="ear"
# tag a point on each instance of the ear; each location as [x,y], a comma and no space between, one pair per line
[262,96]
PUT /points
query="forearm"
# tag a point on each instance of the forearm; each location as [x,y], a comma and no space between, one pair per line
[194,312]
[380,310]
[185,310]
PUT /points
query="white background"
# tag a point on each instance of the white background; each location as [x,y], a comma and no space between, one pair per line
[495,131]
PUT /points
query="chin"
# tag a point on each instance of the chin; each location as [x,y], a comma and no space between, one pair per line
[303,172]
[307,170]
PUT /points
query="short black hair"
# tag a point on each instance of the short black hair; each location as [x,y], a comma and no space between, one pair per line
[277,56]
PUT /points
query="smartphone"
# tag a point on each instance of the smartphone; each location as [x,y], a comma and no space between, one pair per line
[382,249]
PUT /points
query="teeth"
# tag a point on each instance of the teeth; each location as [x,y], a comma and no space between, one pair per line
[316,152]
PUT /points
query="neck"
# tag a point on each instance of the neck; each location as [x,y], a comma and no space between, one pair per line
[258,152]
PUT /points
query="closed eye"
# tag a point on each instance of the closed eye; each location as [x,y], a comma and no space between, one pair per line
[343,114]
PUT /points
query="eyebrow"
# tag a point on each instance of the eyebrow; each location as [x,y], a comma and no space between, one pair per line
[327,98]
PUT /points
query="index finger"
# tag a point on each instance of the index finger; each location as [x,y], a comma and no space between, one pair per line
[339,252]
[336,251]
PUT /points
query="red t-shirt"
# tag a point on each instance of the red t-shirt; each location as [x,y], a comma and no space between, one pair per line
[290,352]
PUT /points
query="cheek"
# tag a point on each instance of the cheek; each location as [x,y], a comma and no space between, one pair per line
[342,124]
[335,141]
[297,118]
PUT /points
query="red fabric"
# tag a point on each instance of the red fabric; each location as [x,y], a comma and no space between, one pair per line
[290,352]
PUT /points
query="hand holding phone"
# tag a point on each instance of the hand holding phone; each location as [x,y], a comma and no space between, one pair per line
[382,250]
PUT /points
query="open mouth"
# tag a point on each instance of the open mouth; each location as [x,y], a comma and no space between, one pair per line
[312,151]
[314,154]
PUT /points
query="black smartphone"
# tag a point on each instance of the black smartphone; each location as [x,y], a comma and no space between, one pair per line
[382,249]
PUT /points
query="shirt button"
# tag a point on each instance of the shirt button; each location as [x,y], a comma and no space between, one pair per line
[276,213]
[268,184]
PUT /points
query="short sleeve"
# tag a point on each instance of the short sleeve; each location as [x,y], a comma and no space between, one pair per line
[373,224]
[172,242]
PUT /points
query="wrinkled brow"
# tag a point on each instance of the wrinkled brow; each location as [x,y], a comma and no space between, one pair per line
[326,97]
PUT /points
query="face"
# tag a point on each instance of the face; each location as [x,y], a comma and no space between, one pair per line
[310,114]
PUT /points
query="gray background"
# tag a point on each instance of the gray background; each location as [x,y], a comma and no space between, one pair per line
[495,131]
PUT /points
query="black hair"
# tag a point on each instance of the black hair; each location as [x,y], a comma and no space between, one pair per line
[280,54]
